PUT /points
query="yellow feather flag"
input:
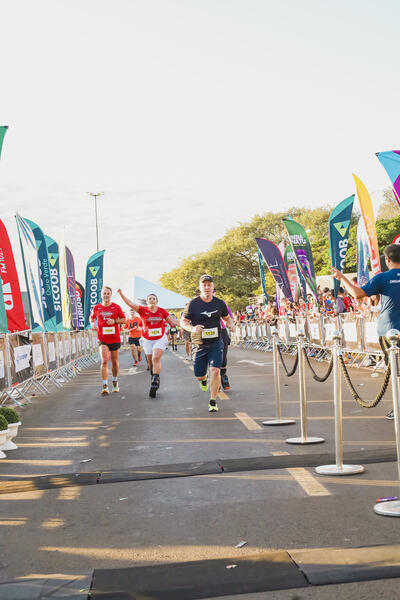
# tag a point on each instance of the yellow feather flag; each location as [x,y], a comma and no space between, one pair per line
[367,212]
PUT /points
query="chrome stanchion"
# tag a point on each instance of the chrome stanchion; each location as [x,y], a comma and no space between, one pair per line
[303,439]
[278,420]
[392,508]
[339,468]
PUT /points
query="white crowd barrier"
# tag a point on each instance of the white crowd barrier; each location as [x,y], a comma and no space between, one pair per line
[359,337]
[31,360]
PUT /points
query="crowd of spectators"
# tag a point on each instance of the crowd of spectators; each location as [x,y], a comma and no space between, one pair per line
[326,306]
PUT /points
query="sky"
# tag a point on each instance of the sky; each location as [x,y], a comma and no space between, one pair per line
[190,115]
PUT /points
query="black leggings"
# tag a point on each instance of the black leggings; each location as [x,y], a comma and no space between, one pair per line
[227,340]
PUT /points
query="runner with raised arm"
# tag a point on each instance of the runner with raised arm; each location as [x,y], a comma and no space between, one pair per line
[202,317]
[109,316]
[154,338]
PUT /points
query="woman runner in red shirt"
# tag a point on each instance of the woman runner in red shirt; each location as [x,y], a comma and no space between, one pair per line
[109,316]
[154,338]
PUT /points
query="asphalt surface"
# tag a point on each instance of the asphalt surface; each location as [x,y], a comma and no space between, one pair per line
[66,531]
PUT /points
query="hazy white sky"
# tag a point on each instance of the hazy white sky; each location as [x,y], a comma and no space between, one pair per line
[191,115]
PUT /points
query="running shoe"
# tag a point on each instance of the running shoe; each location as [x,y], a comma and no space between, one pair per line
[390,415]
[140,358]
[212,406]
[115,386]
[135,364]
[225,382]
[204,384]
[155,384]
[105,391]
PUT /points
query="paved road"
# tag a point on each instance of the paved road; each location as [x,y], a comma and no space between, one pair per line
[72,529]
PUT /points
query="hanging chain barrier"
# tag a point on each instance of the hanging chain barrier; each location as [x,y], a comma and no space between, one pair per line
[295,364]
[386,379]
[317,377]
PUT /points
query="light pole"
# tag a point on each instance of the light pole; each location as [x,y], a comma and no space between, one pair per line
[95,195]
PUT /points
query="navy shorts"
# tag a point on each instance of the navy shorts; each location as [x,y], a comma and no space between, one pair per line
[134,341]
[207,354]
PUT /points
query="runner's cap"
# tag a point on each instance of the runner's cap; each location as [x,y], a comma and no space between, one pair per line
[205,278]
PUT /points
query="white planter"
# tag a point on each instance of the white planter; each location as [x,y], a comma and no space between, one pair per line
[3,439]
[11,433]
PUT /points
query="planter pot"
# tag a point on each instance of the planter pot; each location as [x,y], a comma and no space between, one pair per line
[3,439]
[12,431]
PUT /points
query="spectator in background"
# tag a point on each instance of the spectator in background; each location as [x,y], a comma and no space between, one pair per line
[340,303]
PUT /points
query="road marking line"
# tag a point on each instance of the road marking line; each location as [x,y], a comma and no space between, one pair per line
[248,422]
[222,396]
[310,485]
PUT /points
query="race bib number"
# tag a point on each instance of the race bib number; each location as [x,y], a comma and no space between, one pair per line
[155,332]
[210,333]
[108,330]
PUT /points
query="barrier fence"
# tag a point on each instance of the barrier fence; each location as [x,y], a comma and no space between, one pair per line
[42,360]
[359,337]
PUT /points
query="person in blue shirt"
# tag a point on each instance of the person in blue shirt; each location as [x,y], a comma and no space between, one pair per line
[387,285]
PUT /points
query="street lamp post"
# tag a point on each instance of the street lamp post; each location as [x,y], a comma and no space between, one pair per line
[95,195]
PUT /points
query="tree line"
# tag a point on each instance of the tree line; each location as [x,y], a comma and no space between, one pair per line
[233,259]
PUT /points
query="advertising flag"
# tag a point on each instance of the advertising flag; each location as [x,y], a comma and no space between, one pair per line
[273,257]
[391,163]
[44,268]
[362,254]
[339,227]
[291,269]
[262,275]
[11,289]
[71,287]
[302,253]
[367,212]
[80,304]
[3,131]
[94,283]
[54,262]
[32,273]
[65,300]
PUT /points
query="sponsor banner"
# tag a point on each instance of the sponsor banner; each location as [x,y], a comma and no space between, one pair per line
[391,163]
[71,287]
[3,131]
[65,300]
[362,254]
[22,357]
[54,262]
[94,283]
[339,227]
[276,265]
[32,273]
[80,304]
[44,268]
[367,212]
[262,275]
[302,253]
[292,272]
[11,289]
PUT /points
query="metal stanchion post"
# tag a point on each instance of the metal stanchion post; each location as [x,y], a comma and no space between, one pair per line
[392,508]
[339,468]
[278,420]
[303,439]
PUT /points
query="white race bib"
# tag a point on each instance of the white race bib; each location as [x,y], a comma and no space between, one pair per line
[210,333]
[155,332]
[108,330]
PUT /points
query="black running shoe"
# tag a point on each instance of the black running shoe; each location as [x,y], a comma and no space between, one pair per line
[155,384]
[225,382]
[390,415]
